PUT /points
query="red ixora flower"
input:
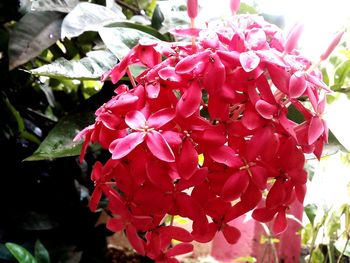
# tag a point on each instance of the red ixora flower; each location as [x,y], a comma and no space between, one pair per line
[204,131]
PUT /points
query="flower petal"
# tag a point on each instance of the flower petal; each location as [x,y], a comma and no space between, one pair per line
[95,199]
[300,191]
[235,185]
[229,58]
[279,77]
[280,224]
[176,233]
[152,90]
[189,101]
[297,84]
[293,37]
[135,120]
[316,129]
[265,109]
[190,63]
[157,173]
[187,162]
[137,243]
[96,171]
[264,214]
[249,61]
[214,75]
[276,195]
[207,234]
[260,176]
[179,249]
[225,155]
[159,147]
[115,224]
[123,146]
[231,234]
[160,118]
[299,176]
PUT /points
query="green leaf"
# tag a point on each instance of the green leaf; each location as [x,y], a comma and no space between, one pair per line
[41,253]
[157,18]
[317,256]
[5,254]
[306,234]
[325,76]
[294,115]
[59,141]
[333,225]
[247,9]
[89,68]
[35,32]
[342,72]
[120,40]
[64,6]
[342,245]
[143,28]
[245,259]
[311,210]
[88,17]
[20,253]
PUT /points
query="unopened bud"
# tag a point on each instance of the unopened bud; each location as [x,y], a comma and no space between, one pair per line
[192,8]
[293,37]
[234,5]
[332,45]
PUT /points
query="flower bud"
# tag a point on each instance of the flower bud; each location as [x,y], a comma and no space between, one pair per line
[234,5]
[192,8]
[293,37]
[332,45]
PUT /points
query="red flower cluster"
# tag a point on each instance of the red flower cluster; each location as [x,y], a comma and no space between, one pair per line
[226,98]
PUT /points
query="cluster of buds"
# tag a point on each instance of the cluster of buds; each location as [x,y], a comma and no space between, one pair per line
[204,133]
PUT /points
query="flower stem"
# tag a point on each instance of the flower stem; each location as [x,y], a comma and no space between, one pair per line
[271,243]
[193,39]
[132,80]
[313,241]
[343,251]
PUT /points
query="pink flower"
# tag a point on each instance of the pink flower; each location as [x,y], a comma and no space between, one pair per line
[145,130]
[205,133]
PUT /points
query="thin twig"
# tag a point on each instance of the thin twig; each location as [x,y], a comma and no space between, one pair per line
[132,80]
[271,243]
[127,6]
[343,251]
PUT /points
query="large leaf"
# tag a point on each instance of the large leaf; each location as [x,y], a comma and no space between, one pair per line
[59,142]
[88,17]
[35,32]
[144,28]
[342,73]
[5,254]
[120,40]
[342,245]
[64,6]
[90,67]
[20,253]
[41,253]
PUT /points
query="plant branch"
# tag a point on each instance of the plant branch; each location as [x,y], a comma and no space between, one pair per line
[271,242]
[343,251]
[127,6]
